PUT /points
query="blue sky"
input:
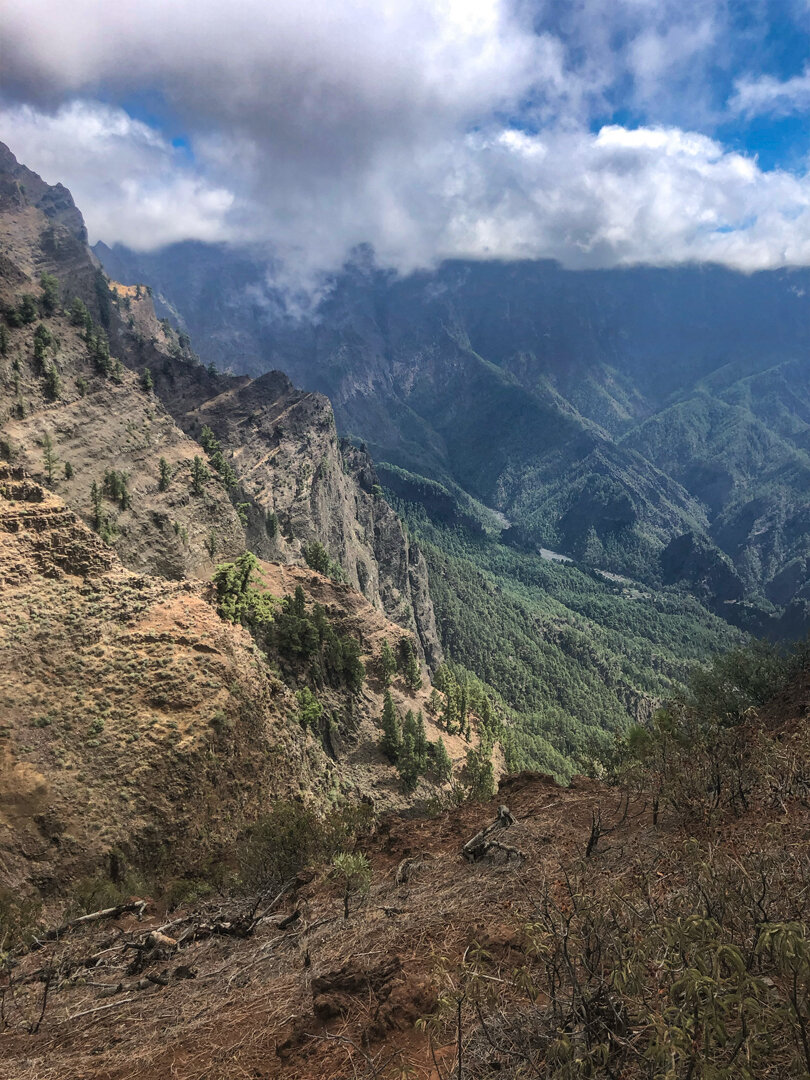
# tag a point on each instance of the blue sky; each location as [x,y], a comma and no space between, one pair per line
[597,132]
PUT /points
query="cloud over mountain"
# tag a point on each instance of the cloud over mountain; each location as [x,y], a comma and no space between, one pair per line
[427,128]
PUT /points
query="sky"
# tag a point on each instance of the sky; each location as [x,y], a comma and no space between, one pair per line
[596,132]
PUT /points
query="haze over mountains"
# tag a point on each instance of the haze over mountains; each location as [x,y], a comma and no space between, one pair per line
[651,422]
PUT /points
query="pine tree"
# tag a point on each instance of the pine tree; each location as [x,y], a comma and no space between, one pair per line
[50,293]
[3,339]
[434,702]
[407,762]
[79,315]
[317,557]
[490,726]
[42,339]
[413,756]
[443,766]
[53,383]
[199,474]
[388,662]
[463,710]
[147,383]
[447,718]
[409,664]
[165,475]
[391,742]
[101,353]
[98,510]
[421,743]
[478,776]
[487,715]
[593,553]
[27,311]
[299,604]
[49,457]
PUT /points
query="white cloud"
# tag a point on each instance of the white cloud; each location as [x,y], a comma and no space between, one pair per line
[769,96]
[130,184]
[318,127]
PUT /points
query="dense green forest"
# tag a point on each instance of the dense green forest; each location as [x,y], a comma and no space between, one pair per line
[571,658]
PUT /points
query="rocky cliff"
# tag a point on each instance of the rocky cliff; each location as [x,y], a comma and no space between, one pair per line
[82,389]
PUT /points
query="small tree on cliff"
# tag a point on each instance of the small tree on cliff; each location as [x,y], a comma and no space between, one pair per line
[391,742]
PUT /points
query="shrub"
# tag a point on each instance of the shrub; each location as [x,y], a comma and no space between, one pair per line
[291,837]
[354,873]
[309,708]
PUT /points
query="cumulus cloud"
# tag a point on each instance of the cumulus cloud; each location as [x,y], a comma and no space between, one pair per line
[427,128]
[130,183]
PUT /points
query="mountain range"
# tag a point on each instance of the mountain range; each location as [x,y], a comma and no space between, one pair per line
[648,422]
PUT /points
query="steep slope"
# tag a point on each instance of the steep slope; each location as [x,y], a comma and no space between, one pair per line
[135,720]
[102,423]
[618,930]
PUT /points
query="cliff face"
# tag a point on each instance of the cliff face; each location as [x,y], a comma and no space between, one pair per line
[134,720]
[279,442]
[284,450]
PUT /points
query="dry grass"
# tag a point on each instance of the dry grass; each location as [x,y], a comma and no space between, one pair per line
[249,1011]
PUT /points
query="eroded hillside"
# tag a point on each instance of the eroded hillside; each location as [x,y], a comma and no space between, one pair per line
[135,720]
[657,927]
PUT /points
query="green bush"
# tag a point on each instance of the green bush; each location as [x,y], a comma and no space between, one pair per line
[310,709]
[240,596]
[292,836]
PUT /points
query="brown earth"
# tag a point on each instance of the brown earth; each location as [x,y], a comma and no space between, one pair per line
[326,996]
[311,995]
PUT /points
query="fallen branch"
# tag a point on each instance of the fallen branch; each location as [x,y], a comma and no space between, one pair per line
[138,907]
[100,1008]
[481,844]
